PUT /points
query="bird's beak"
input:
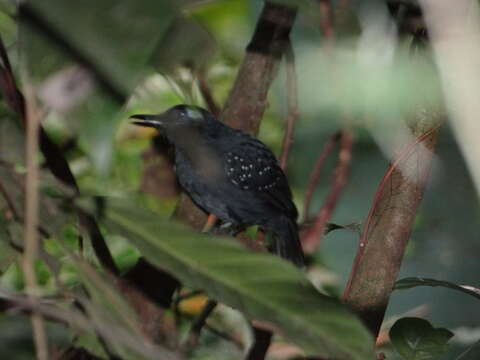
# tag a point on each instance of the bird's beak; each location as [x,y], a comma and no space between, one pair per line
[154,121]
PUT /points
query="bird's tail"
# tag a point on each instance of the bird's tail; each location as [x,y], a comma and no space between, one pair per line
[285,241]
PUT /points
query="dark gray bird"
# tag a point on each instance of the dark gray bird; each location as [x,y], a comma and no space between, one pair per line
[230,174]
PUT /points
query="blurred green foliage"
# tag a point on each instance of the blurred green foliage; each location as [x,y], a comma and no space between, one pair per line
[151,52]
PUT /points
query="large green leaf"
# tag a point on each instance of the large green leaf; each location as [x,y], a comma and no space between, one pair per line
[261,286]
[113,40]
[118,37]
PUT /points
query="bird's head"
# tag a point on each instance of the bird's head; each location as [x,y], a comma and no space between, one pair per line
[186,127]
[174,119]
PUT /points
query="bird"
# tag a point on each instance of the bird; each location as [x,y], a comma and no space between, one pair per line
[230,174]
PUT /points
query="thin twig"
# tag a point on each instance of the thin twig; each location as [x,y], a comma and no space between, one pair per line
[31,223]
[234,340]
[292,103]
[10,204]
[312,238]
[15,215]
[199,323]
[317,169]
[207,94]
[326,22]
[100,247]
[259,349]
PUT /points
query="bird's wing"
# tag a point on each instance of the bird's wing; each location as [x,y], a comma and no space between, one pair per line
[251,166]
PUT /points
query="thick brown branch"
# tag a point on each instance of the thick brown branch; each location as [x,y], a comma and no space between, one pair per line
[388,228]
[248,98]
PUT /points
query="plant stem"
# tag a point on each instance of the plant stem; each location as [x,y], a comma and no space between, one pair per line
[31,224]
[292,103]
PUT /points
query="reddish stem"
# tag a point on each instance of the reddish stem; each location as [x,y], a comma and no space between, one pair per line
[292,103]
[326,20]
[317,169]
[311,239]
[207,94]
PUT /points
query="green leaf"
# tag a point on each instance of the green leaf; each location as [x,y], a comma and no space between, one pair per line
[260,285]
[112,316]
[113,40]
[416,339]
[411,282]
[117,37]
[186,43]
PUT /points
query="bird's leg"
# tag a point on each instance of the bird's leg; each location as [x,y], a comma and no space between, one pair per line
[227,228]
[210,224]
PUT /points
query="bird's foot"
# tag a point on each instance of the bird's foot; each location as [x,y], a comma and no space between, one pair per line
[227,228]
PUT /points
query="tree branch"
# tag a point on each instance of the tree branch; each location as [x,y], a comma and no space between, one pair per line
[326,22]
[316,172]
[312,238]
[247,100]
[292,104]
[199,323]
[31,223]
[388,227]
[262,341]
[207,94]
